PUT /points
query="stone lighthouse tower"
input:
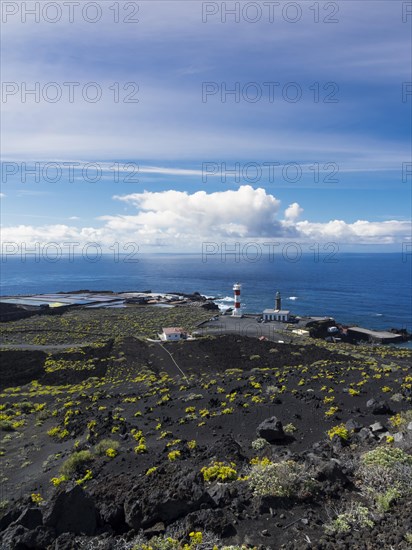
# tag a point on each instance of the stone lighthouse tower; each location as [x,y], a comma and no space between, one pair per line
[278,302]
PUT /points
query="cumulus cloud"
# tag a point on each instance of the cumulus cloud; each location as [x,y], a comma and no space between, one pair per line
[181,221]
[293,212]
[246,212]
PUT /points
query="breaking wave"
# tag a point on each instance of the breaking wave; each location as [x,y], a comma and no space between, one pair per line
[225,299]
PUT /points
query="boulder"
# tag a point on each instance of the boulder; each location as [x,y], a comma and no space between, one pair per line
[210,306]
[398,437]
[8,518]
[331,471]
[376,428]
[225,448]
[378,406]
[404,440]
[17,537]
[353,425]
[271,429]
[219,493]
[165,499]
[155,530]
[41,537]
[72,511]
[13,537]
[133,513]
[30,518]
[365,435]
[112,514]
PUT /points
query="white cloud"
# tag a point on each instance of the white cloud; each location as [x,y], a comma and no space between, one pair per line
[244,212]
[361,231]
[293,211]
[182,221]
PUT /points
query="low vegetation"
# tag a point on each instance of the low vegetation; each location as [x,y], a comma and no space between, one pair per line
[135,422]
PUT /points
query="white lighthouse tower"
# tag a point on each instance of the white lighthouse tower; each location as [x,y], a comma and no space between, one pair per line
[236,290]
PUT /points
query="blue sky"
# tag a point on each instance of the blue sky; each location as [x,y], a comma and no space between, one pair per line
[363,61]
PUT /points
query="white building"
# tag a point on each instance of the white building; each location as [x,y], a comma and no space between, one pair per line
[173,334]
[276,315]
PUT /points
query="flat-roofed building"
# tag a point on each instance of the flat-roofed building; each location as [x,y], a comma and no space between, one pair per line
[276,315]
[173,334]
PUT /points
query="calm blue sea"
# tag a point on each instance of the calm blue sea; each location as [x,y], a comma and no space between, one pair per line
[372,290]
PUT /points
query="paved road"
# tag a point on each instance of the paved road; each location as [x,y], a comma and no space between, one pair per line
[247,326]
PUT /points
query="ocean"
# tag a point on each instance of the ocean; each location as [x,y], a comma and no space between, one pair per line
[372,290]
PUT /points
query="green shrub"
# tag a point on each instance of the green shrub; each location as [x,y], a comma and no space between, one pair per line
[193,397]
[75,463]
[355,516]
[340,430]
[383,501]
[259,444]
[26,406]
[281,479]
[6,426]
[289,429]
[58,432]
[219,471]
[381,485]
[386,457]
[105,444]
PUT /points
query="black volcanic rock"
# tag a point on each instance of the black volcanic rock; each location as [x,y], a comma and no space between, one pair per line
[226,449]
[331,471]
[72,511]
[209,306]
[13,537]
[219,522]
[271,429]
[220,494]
[112,513]
[378,406]
[159,500]
[9,517]
[133,513]
[353,425]
[30,518]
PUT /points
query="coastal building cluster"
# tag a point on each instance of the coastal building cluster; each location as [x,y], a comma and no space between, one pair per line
[275,314]
[325,326]
[276,318]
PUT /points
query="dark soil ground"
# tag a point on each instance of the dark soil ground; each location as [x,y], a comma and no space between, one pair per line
[171,409]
